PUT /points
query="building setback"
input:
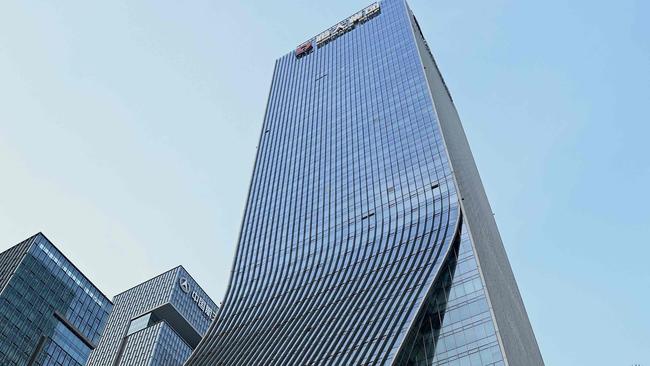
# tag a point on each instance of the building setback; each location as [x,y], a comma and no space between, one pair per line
[156,323]
[367,237]
[50,313]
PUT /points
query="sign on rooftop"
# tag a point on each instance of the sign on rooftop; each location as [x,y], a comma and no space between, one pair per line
[339,29]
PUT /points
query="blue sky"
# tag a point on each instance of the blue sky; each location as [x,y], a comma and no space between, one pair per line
[128,132]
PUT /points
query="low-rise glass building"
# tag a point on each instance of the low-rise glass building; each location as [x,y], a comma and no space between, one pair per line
[158,322]
[50,313]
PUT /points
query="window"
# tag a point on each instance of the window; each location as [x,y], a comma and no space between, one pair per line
[142,322]
[71,343]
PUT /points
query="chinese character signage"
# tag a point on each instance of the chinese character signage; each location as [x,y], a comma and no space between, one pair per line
[200,302]
[339,29]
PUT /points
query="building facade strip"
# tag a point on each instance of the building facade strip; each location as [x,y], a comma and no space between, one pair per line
[513,326]
[10,259]
[168,350]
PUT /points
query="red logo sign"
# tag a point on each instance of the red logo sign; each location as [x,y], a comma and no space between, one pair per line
[304,49]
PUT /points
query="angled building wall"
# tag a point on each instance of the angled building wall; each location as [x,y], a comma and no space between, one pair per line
[519,343]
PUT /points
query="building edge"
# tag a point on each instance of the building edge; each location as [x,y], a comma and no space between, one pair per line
[194,357]
[517,339]
[26,245]
[11,258]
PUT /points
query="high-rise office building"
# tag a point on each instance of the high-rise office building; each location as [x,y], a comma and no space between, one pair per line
[50,313]
[367,237]
[156,323]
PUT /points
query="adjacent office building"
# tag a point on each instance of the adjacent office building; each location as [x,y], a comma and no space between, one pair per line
[50,313]
[156,323]
[367,237]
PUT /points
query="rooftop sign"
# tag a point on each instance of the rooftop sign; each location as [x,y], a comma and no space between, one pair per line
[339,29]
[200,302]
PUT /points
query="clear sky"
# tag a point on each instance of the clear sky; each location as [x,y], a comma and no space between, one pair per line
[128,132]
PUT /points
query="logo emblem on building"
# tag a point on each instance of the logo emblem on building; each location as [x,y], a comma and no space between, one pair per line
[304,49]
[185,285]
[339,29]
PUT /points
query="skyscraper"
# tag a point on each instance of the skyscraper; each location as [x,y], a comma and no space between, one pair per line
[367,237]
[50,313]
[156,323]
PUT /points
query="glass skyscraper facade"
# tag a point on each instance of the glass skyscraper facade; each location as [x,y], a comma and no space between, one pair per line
[156,323]
[367,237]
[50,313]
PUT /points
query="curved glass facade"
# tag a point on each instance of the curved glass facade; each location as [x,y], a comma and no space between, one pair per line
[353,249]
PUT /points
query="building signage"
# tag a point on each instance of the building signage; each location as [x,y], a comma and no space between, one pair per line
[200,302]
[185,285]
[339,29]
[304,49]
[207,310]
